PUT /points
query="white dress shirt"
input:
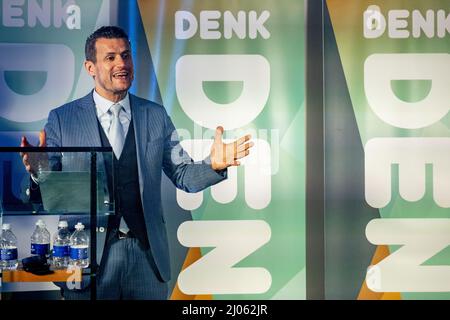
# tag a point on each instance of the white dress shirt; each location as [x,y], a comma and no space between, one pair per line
[102,106]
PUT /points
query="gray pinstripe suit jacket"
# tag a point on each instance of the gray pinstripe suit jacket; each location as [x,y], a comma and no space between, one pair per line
[75,125]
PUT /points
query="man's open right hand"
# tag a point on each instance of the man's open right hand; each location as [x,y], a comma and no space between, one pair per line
[33,160]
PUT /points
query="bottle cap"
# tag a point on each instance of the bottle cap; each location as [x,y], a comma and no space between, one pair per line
[40,223]
[79,226]
[63,224]
[6,226]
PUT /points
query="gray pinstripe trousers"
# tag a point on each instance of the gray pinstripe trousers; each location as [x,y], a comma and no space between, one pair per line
[128,273]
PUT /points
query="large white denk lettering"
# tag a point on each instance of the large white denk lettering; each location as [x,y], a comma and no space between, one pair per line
[187,25]
[41,13]
[381,69]
[233,240]
[422,238]
[402,271]
[257,176]
[402,24]
[29,57]
[411,155]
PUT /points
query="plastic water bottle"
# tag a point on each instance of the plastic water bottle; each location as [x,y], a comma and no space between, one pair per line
[8,248]
[61,246]
[79,245]
[40,240]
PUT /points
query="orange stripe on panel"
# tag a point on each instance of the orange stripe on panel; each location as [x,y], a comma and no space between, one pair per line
[365,293]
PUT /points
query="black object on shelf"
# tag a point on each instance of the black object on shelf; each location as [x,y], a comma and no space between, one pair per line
[36,265]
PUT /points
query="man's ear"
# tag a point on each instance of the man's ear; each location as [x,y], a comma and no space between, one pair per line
[90,67]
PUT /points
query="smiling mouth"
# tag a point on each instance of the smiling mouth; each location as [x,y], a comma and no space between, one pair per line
[121,75]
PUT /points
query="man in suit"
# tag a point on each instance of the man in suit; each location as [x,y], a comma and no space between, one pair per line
[135,262]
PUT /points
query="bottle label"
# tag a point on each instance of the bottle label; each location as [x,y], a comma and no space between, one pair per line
[40,249]
[60,251]
[78,253]
[8,254]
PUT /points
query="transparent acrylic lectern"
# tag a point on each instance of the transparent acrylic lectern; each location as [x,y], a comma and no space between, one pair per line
[74,184]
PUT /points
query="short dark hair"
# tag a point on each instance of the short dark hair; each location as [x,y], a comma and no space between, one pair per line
[108,32]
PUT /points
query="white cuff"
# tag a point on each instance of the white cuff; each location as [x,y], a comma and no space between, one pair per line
[35,179]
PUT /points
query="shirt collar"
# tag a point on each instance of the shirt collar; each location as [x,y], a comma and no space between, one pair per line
[102,104]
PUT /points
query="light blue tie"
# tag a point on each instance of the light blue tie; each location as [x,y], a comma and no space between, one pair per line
[116,139]
[115,134]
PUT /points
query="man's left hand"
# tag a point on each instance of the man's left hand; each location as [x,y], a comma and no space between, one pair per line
[224,155]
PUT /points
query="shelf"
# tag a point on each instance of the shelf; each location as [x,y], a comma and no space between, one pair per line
[57,276]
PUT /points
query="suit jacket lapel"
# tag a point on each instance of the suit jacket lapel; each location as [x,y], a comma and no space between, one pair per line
[89,130]
[87,118]
[139,116]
